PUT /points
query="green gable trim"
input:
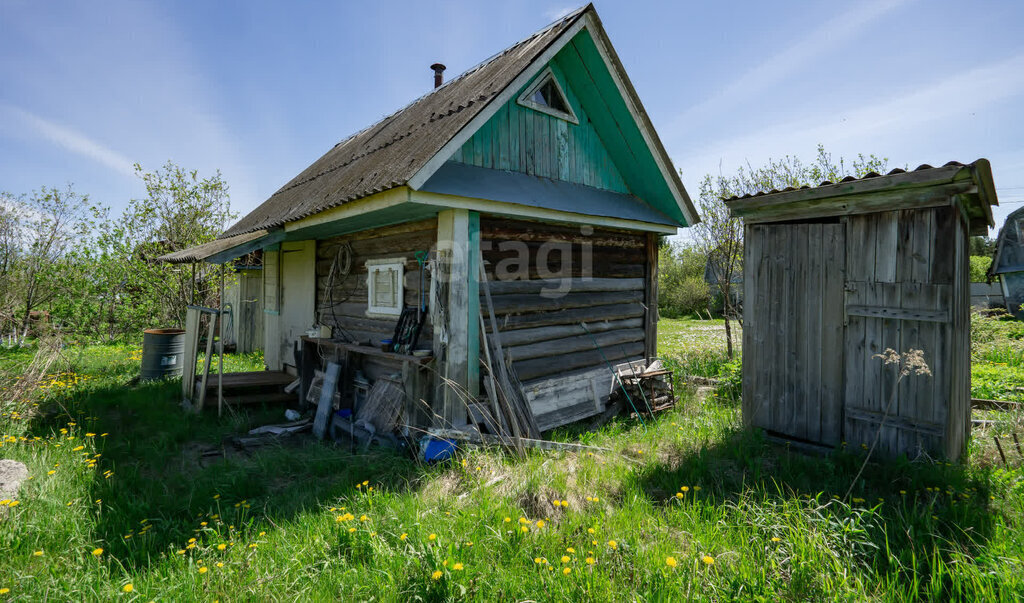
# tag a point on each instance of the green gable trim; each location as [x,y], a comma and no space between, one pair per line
[606,150]
[583,66]
[521,139]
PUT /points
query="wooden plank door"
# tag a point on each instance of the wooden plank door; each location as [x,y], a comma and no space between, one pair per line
[792,332]
[899,296]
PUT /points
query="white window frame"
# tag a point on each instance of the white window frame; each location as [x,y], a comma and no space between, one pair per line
[526,98]
[372,268]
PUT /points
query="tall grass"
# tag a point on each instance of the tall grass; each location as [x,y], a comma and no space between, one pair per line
[688,507]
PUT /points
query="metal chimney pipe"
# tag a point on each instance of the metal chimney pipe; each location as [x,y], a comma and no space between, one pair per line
[438,74]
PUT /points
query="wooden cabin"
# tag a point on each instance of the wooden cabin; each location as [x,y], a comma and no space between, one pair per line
[1008,263]
[535,177]
[838,273]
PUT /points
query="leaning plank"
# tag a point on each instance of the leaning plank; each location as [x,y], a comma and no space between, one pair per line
[206,366]
[323,408]
[492,440]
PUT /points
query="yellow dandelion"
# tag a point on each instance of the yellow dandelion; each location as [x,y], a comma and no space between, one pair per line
[436,575]
[567,571]
[591,531]
[570,550]
[202,523]
[37,554]
[350,530]
[181,551]
[565,559]
[191,540]
[97,552]
[671,561]
[50,472]
[203,569]
[508,519]
[403,537]
[540,523]
[679,494]
[457,567]
[4,591]
[590,561]
[524,529]
[432,537]
[613,544]
[685,488]
[363,518]
[708,560]
[220,564]
[127,588]
[221,546]
[776,539]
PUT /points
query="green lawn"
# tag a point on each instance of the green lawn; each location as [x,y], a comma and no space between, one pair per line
[688,507]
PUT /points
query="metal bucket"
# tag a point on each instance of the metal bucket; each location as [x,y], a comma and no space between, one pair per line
[163,353]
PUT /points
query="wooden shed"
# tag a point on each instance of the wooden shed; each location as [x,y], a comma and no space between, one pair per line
[837,273]
[1008,263]
[535,177]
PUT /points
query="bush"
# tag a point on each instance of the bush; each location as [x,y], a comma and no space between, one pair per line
[979,268]
[681,287]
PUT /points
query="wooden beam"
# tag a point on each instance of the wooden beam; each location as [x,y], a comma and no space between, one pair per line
[898,313]
[493,440]
[651,299]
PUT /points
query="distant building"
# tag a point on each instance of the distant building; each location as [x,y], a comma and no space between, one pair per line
[1008,263]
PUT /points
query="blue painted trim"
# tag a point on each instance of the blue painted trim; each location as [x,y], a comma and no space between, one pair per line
[514,187]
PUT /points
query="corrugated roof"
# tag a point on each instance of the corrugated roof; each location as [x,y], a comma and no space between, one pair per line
[868,176]
[971,181]
[388,153]
[207,250]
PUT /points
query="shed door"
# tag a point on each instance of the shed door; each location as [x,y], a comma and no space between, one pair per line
[899,295]
[793,329]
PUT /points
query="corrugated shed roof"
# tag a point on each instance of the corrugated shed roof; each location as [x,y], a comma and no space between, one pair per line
[868,176]
[207,250]
[388,153]
[972,182]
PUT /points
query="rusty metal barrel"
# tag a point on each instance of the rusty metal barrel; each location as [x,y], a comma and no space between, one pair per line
[163,353]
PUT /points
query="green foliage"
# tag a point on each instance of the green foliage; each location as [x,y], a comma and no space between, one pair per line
[742,519]
[979,268]
[983,246]
[682,290]
[98,276]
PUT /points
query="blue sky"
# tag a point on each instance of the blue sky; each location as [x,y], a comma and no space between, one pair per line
[261,89]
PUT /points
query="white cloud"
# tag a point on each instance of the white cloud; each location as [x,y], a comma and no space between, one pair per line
[72,140]
[778,67]
[895,119]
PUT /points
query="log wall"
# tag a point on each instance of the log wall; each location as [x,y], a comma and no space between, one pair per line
[343,303]
[544,281]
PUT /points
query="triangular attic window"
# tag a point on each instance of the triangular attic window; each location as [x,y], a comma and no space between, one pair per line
[546,96]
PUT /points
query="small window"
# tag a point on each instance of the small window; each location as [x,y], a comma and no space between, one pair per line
[384,283]
[546,96]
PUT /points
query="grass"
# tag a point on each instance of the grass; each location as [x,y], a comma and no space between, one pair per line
[690,507]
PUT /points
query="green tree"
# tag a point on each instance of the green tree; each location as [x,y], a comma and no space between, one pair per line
[719,235]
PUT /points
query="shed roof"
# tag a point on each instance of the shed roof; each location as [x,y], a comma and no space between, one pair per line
[922,186]
[390,152]
[237,245]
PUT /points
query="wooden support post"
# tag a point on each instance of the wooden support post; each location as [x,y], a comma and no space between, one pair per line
[455,249]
